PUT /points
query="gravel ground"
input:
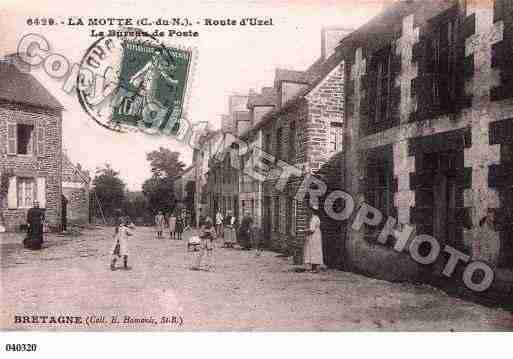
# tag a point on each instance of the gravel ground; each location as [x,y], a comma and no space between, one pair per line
[71,277]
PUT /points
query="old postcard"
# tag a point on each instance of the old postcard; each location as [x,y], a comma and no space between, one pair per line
[295,166]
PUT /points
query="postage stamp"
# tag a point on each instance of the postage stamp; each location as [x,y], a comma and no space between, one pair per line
[136,83]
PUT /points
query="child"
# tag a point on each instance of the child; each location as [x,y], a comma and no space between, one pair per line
[122,232]
[207,235]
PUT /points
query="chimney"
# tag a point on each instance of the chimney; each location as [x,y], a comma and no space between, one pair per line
[330,38]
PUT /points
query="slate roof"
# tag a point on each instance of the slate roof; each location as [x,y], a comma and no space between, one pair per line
[268,97]
[383,28]
[21,87]
[378,30]
[315,74]
[84,175]
[291,76]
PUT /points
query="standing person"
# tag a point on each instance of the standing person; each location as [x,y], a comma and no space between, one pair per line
[485,245]
[245,232]
[179,225]
[172,225]
[312,251]
[121,235]
[35,220]
[219,223]
[160,221]
[201,218]
[229,230]
[207,236]
[189,219]
[184,220]
[256,239]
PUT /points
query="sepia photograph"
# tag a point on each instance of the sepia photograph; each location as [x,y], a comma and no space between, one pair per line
[297,166]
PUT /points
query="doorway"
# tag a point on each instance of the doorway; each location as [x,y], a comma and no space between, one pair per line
[267,219]
[440,196]
[64,213]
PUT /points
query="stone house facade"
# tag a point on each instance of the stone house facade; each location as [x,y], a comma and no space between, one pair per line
[30,148]
[305,131]
[300,122]
[429,112]
[76,193]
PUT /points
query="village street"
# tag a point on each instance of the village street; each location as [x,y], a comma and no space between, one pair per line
[71,277]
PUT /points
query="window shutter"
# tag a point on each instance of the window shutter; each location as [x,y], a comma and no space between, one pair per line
[11,139]
[40,138]
[41,191]
[12,195]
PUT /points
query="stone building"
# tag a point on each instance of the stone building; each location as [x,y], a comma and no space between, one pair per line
[305,130]
[200,160]
[223,170]
[75,193]
[185,189]
[30,148]
[428,96]
[299,122]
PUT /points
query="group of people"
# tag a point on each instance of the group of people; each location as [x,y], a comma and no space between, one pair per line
[246,234]
[225,227]
[175,223]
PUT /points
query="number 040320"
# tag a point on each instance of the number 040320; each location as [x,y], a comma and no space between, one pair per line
[20,347]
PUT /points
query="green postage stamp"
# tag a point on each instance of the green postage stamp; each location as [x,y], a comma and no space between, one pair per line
[149,84]
[155,78]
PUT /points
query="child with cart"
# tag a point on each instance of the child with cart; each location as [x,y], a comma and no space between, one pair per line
[207,236]
[122,232]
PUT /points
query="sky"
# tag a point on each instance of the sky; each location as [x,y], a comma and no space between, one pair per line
[231,59]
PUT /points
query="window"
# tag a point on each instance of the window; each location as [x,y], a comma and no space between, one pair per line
[383,84]
[284,215]
[290,216]
[379,194]
[293,217]
[26,191]
[506,153]
[292,142]
[23,191]
[25,139]
[336,137]
[443,45]
[267,146]
[21,138]
[276,222]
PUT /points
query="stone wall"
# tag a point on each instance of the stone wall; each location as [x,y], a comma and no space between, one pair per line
[478,108]
[75,187]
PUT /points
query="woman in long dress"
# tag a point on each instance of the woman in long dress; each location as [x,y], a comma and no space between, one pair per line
[485,245]
[172,225]
[244,235]
[313,243]
[229,230]
[35,221]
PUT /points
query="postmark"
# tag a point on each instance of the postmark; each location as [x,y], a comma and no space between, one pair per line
[136,83]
